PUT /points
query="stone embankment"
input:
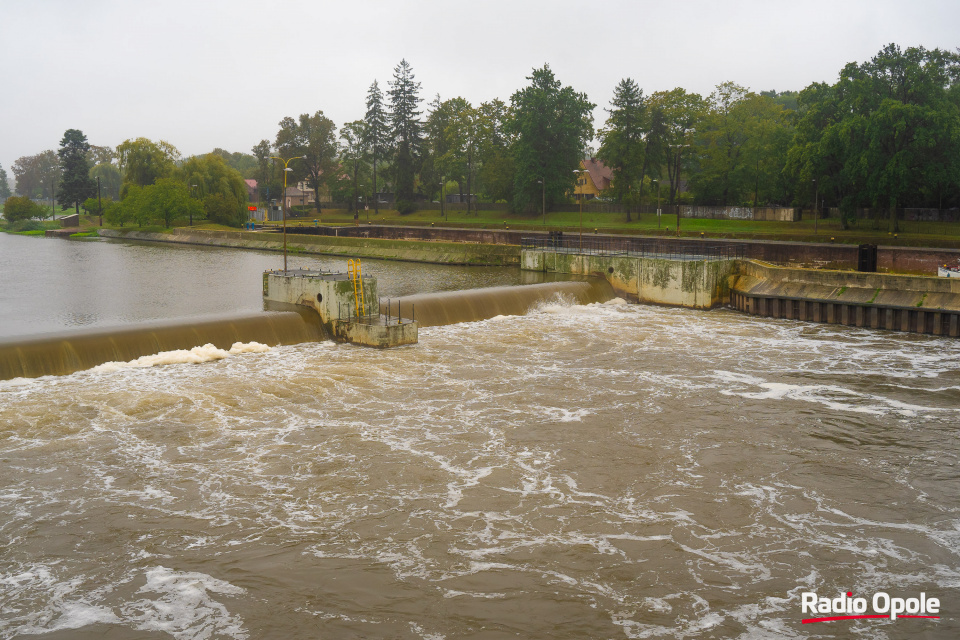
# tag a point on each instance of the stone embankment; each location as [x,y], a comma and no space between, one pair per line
[461,253]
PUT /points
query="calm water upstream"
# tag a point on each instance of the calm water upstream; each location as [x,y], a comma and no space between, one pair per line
[604,471]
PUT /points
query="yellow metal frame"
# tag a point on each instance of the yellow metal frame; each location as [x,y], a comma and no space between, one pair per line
[354,272]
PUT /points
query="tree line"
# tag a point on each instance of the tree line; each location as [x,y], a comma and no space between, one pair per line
[886,135]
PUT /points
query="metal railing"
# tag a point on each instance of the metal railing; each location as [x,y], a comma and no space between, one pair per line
[637,247]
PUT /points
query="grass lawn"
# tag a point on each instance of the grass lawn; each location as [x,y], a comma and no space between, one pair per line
[943,234]
[923,234]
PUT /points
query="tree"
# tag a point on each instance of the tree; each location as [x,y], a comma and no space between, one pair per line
[267,182]
[100,155]
[110,180]
[4,184]
[622,145]
[37,175]
[16,208]
[406,129]
[211,176]
[354,153]
[169,199]
[496,172]
[674,115]
[313,137]
[142,161]
[886,135]
[244,163]
[552,125]
[75,182]
[377,132]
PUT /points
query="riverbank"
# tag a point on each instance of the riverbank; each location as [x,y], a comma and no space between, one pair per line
[454,253]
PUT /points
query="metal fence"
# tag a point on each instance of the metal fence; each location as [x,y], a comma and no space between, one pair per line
[637,247]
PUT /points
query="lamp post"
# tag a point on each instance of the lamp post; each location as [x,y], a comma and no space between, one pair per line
[284,210]
[192,187]
[658,202]
[543,200]
[580,173]
[816,210]
[99,203]
[443,210]
[679,147]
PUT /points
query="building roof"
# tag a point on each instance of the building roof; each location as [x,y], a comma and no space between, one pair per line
[600,173]
[251,183]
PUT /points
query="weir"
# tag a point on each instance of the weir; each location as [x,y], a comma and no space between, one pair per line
[451,307]
[64,353]
[700,275]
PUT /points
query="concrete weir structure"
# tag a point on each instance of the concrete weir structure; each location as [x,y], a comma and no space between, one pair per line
[695,275]
[345,313]
[706,278]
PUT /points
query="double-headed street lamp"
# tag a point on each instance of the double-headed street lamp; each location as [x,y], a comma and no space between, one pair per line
[284,209]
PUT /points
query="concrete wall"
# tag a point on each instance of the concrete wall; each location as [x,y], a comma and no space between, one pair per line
[780,214]
[412,251]
[698,284]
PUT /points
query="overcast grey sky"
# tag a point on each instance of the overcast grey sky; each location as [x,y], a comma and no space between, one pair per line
[218,73]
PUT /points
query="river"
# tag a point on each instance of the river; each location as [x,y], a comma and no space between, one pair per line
[599,471]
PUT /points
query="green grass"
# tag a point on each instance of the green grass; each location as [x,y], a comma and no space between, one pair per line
[941,234]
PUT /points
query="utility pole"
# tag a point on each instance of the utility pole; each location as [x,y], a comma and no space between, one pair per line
[99,204]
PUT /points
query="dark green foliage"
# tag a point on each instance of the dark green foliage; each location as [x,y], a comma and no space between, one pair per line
[315,138]
[552,125]
[76,185]
[17,208]
[26,225]
[222,209]
[406,129]
[4,186]
[404,207]
[623,147]
[887,135]
[110,180]
[377,132]
[37,175]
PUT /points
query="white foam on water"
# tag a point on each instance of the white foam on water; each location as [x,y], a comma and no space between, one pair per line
[184,607]
[196,355]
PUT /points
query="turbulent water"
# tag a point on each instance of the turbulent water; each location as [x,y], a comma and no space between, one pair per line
[600,471]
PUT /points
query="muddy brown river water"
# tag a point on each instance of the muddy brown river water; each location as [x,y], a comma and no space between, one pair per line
[599,471]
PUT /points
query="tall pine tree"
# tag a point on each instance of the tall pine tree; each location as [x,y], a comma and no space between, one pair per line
[377,134]
[76,185]
[406,129]
[622,146]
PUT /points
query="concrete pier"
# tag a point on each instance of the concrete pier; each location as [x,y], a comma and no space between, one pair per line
[345,313]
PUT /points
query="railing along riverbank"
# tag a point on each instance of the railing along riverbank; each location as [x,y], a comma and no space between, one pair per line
[637,247]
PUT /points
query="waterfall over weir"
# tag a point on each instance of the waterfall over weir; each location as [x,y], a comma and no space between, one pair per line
[63,353]
[451,307]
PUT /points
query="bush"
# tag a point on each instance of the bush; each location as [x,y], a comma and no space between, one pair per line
[20,208]
[405,207]
[26,225]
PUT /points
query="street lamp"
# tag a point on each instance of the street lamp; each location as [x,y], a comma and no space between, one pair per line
[356,217]
[192,187]
[580,197]
[543,201]
[658,202]
[816,211]
[284,210]
[99,203]
[678,147]
[443,211]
